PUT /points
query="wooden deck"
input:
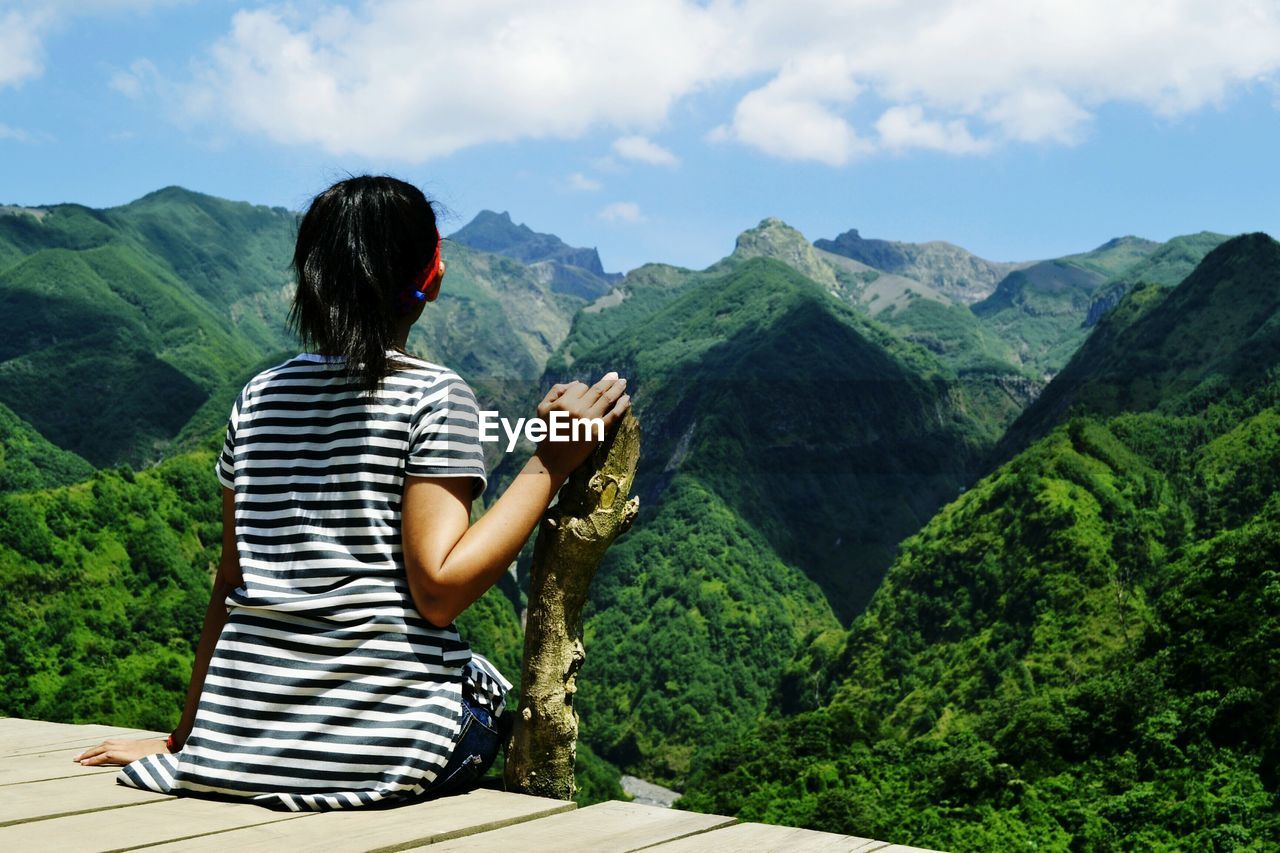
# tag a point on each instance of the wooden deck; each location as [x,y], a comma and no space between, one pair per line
[48,802]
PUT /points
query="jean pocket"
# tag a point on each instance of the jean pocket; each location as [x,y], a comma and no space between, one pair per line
[481,717]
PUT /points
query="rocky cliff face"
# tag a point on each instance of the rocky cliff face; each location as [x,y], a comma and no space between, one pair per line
[943,266]
[568,269]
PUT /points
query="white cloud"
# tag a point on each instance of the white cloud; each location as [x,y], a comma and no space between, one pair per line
[1033,71]
[906,127]
[416,80]
[21,45]
[795,117]
[133,82]
[644,150]
[579,181]
[621,211]
[28,23]
[16,134]
[1039,115]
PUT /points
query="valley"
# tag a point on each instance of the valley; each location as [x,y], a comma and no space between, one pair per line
[972,554]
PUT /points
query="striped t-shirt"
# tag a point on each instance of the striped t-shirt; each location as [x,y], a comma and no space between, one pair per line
[327,689]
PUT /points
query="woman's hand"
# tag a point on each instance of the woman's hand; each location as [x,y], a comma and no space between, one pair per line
[604,400]
[120,751]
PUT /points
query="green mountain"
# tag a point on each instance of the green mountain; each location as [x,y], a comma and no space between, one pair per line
[1178,349]
[1078,652]
[823,615]
[1166,266]
[117,325]
[790,443]
[944,267]
[1040,309]
[920,313]
[567,269]
[856,283]
[1045,311]
[29,461]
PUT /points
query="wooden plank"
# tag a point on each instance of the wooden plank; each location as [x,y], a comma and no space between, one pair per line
[73,745]
[750,837]
[604,827]
[358,830]
[169,819]
[22,736]
[45,800]
[55,764]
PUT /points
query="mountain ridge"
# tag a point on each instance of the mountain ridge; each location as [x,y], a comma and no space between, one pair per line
[1147,351]
[944,266]
[567,269]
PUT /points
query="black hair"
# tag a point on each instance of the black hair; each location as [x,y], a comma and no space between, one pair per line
[362,244]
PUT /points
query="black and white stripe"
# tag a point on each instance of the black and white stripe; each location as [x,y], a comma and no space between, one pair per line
[327,689]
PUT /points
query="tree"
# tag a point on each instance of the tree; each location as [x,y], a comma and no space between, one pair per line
[591,512]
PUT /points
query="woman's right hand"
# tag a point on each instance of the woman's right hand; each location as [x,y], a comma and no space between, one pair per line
[604,400]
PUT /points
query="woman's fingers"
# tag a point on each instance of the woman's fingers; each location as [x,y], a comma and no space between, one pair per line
[95,750]
[583,401]
[619,409]
[119,751]
[96,754]
[608,396]
[602,385]
[550,397]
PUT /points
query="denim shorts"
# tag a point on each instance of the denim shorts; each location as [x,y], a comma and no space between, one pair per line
[478,745]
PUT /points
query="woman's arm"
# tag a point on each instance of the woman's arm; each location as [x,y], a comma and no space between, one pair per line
[450,562]
[122,750]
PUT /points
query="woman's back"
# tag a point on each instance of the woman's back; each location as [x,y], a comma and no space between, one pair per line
[327,689]
[325,675]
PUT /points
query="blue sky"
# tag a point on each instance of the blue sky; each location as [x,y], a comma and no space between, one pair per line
[657,130]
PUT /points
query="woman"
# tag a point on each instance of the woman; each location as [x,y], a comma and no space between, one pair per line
[328,673]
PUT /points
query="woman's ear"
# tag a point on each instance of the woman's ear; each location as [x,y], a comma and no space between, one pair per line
[434,290]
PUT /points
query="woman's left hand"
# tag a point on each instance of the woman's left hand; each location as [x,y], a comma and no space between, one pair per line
[120,751]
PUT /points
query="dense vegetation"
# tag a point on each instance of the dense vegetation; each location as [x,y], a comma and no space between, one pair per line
[106,584]
[750,379]
[29,461]
[1171,349]
[148,309]
[1042,309]
[1080,651]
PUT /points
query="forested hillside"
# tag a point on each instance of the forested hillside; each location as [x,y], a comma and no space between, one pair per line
[1172,349]
[885,580]
[790,443]
[148,309]
[1078,652]
[30,461]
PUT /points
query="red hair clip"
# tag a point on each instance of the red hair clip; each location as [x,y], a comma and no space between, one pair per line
[429,276]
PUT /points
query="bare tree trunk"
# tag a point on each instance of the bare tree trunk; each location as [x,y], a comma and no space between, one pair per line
[591,512]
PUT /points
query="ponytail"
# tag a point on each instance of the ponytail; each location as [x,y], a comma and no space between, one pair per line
[361,244]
